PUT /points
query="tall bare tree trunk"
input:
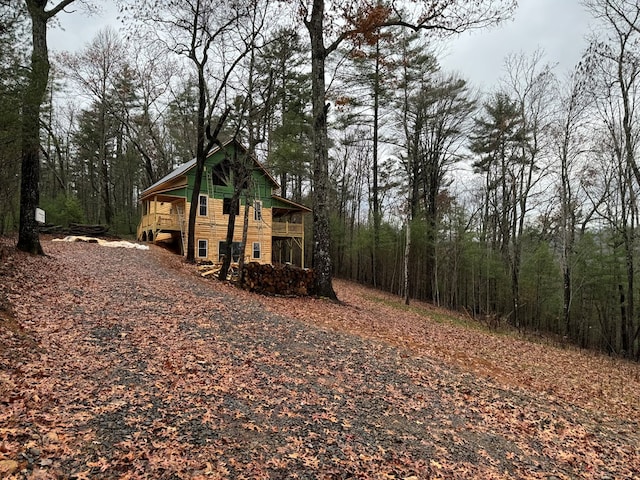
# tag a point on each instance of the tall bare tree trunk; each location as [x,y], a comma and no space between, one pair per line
[375,264]
[202,150]
[321,233]
[28,233]
[407,251]
[245,235]
[231,225]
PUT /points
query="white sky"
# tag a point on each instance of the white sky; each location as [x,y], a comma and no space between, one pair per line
[558,27]
[77,28]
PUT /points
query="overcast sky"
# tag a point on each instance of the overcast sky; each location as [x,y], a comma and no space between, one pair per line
[558,27]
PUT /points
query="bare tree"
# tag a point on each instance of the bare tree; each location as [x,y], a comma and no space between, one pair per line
[569,145]
[532,84]
[440,114]
[144,126]
[96,70]
[251,120]
[616,12]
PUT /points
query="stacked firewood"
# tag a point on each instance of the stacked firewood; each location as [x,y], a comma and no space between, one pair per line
[284,280]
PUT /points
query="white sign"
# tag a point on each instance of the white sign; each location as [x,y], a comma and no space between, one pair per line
[39,215]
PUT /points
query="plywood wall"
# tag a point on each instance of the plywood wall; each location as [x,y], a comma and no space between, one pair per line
[213,228]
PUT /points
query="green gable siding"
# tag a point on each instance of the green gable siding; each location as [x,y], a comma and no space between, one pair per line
[262,184]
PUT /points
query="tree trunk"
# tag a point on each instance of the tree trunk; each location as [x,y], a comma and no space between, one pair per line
[321,234]
[105,190]
[568,236]
[241,176]
[231,225]
[245,235]
[375,264]
[201,157]
[407,251]
[28,234]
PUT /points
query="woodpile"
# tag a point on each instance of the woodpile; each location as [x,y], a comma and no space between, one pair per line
[284,280]
[88,230]
[78,229]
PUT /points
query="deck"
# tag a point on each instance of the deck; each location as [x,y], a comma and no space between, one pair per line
[166,222]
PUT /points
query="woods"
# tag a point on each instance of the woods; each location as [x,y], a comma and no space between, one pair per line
[518,203]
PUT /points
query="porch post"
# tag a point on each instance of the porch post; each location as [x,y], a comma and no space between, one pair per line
[302,242]
[155,217]
[290,242]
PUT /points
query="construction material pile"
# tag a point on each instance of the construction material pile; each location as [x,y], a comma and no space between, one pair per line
[101,242]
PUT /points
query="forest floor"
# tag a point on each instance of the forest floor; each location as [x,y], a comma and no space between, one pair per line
[118,363]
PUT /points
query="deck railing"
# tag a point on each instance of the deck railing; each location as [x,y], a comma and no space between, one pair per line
[171,222]
[286,229]
[160,221]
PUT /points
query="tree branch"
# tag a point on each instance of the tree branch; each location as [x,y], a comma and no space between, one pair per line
[58,8]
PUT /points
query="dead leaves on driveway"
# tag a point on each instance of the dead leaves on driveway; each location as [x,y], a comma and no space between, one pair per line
[144,370]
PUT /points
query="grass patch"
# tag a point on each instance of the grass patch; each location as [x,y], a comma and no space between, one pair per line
[438,317]
[441,316]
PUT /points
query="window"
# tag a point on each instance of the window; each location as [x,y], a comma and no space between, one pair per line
[257,211]
[221,173]
[256,250]
[226,206]
[235,251]
[202,203]
[203,249]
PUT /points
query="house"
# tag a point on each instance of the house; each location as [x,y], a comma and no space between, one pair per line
[276,225]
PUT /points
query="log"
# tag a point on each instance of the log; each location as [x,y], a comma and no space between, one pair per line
[50,228]
[87,230]
[210,272]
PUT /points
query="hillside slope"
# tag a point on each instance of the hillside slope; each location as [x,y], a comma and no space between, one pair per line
[605,385]
[126,364]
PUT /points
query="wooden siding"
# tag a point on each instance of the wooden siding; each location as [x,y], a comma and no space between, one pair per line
[213,228]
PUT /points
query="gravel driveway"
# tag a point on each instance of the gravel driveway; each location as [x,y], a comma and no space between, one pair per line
[144,370]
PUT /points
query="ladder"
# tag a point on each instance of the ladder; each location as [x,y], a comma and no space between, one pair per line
[211,211]
[183,229]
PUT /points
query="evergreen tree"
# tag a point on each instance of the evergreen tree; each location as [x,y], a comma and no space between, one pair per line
[280,69]
[497,139]
[13,55]
[180,124]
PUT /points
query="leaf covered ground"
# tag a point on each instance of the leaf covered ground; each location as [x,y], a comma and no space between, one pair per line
[120,363]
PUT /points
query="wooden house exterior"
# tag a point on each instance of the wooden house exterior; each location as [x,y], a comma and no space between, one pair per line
[276,225]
